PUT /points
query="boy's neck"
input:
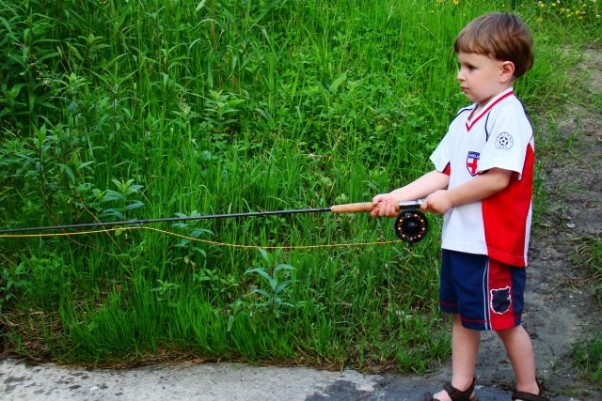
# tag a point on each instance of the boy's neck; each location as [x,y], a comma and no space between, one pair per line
[482,105]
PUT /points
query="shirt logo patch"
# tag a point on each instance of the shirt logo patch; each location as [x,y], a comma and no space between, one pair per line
[504,141]
[501,300]
[472,161]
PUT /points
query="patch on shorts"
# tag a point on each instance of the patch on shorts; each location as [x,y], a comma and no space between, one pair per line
[501,300]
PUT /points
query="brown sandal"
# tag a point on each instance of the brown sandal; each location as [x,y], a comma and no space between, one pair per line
[520,395]
[457,395]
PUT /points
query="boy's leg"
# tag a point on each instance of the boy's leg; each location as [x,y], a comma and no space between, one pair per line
[467,270]
[520,350]
[465,346]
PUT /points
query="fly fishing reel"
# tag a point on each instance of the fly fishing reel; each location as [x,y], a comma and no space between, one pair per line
[411,225]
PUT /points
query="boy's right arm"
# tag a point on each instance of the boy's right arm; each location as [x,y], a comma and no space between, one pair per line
[388,204]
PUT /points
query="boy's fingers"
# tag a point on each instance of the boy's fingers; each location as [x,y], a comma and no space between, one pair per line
[383,208]
[377,210]
[392,210]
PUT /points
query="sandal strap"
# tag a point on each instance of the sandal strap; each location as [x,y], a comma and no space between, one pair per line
[457,395]
[520,395]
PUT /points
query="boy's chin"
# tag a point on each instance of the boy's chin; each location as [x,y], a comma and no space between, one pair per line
[468,95]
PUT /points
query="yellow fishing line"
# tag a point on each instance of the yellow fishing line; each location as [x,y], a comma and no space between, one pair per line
[209,242]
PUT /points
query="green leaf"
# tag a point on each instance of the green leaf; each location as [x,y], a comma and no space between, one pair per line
[334,86]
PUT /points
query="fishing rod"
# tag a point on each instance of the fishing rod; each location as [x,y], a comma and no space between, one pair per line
[410,225]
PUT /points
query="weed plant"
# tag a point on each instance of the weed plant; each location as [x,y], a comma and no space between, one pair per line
[144,109]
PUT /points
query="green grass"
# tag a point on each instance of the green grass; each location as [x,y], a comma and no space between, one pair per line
[145,109]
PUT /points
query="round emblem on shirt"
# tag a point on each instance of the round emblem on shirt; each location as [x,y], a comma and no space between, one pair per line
[504,141]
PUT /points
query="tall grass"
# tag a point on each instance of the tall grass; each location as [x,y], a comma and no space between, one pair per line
[143,109]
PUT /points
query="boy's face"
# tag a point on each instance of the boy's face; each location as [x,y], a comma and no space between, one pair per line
[482,77]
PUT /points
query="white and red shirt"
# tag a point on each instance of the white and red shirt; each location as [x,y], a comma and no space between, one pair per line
[500,136]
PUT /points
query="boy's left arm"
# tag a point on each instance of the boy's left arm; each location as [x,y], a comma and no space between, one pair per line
[483,186]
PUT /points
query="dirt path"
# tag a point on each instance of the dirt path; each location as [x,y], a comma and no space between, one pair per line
[560,309]
[563,305]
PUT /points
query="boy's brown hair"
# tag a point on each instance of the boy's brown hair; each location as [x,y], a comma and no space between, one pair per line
[501,36]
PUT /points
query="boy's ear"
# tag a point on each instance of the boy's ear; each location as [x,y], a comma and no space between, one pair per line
[507,71]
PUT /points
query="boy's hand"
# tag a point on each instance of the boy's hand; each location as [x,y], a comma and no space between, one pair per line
[437,202]
[384,205]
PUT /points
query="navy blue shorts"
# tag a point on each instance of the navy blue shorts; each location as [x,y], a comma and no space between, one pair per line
[486,294]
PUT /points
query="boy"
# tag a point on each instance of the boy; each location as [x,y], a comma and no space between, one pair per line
[482,184]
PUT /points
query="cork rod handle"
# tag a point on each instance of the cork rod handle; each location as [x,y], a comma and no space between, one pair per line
[361,207]
[364,207]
